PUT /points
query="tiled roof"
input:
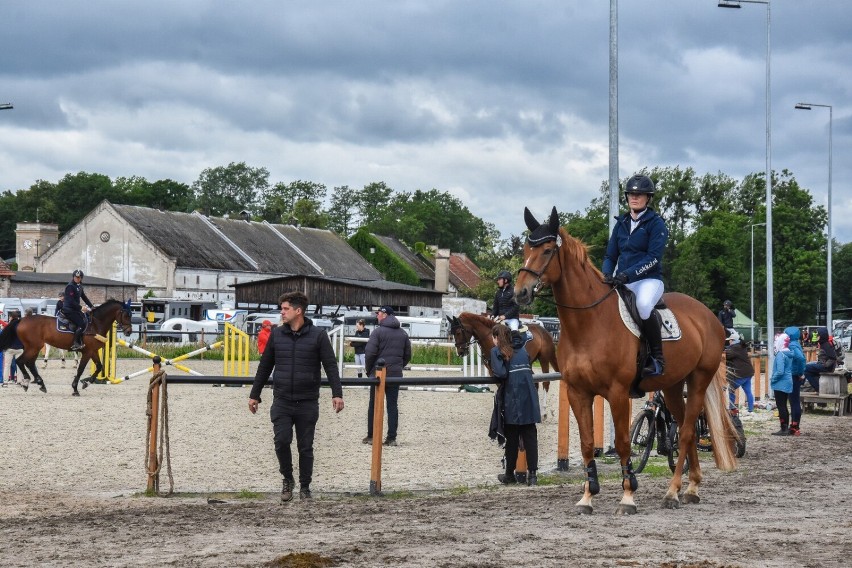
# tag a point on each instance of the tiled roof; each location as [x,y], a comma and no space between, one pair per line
[463,272]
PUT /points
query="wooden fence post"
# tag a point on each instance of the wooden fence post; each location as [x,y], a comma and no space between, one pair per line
[562,437]
[378,429]
[153,426]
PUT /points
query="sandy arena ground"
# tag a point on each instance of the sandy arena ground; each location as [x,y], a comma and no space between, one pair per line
[72,470]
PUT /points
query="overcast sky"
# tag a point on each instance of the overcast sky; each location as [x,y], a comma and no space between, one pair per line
[501,103]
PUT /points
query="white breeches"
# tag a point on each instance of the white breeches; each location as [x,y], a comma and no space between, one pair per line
[648,292]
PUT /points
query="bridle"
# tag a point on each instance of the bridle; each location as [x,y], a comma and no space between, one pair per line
[539,285]
[465,343]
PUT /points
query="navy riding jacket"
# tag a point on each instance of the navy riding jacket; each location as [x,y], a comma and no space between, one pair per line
[639,254]
[73,294]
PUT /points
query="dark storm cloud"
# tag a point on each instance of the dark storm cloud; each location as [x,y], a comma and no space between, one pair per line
[477,97]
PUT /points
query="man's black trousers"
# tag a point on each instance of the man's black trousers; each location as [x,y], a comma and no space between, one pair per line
[303,415]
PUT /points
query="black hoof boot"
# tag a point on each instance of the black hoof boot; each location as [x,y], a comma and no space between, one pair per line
[75,393]
[85,383]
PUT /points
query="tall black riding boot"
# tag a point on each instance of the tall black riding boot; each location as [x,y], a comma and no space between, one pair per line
[651,331]
[78,340]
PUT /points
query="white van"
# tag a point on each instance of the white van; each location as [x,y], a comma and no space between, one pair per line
[182,331]
[9,304]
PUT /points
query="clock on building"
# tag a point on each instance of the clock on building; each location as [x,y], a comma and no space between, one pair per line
[28,244]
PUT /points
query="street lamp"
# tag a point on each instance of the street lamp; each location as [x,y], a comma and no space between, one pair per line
[828,306]
[6,106]
[770,304]
[752,276]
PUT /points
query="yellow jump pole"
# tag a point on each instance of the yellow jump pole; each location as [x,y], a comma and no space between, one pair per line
[378,428]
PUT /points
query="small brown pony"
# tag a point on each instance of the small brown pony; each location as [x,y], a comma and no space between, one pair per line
[598,356]
[36,331]
[469,327]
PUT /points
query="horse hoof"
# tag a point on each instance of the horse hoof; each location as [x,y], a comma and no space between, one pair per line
[85,383]
[42,388]
[75,393]
[584,509]
[625,509]
[671,503]
[691,498]
[25,387]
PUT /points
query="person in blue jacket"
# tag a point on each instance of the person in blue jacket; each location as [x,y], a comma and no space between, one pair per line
[521,412]
[781,380]
[798,374]
[634,259]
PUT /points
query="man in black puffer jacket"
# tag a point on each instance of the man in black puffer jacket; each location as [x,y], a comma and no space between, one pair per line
[295,351]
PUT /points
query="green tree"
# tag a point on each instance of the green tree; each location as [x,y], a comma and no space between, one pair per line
[343,210]
[297,202]
[230,189]
[373,202]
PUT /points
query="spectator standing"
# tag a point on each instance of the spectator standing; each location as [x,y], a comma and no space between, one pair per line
[15,348]
[263,335]
[511,364]
[389,342]
[293,356]
[797,371]
[726,316]
[361,332]
[782,380]
[739,370]
[826,359]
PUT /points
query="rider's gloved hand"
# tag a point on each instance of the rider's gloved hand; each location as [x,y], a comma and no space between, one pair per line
[619,279]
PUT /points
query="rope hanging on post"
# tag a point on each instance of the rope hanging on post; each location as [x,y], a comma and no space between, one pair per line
[162,450]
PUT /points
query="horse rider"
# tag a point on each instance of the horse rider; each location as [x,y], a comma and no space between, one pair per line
[72,309]
[726,317]
[505,308]
[634,259]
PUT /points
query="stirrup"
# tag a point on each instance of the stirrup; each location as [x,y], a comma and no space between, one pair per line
[76,347]
[653,368]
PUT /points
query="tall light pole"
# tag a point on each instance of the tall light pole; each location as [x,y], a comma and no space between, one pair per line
[828,305]
[752,276]
[770,304]
[614,192]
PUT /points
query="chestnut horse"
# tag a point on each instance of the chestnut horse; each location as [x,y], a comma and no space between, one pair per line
[598,356]
[469,327]
[37,330]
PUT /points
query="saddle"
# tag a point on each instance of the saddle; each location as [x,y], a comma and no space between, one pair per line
[670,330]
[64,325]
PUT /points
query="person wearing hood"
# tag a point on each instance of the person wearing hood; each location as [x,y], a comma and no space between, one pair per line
[510,364]
[797,372]
[781,380]
[388,341]
[739,370]
[826,359]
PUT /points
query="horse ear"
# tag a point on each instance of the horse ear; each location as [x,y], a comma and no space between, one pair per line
[532,223]
[449,319]
[553,223]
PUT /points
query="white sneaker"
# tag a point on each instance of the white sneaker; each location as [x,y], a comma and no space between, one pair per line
[44,365]
[63,363]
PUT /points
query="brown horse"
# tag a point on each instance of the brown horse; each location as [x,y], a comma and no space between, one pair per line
[469,327]
[36,331]
[598,356]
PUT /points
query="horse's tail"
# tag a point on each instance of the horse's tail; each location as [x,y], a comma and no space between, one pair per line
[722,430]
[9,334]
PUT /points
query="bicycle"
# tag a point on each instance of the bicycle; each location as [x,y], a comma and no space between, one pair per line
[705,443]
[650,425]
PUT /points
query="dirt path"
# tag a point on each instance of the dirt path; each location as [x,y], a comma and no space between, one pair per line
[71,469]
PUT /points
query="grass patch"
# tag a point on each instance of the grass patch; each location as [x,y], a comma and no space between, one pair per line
[248,494]
[459,490]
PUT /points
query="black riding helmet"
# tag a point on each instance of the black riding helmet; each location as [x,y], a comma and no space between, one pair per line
[639,184]
[728,304]
[505,275]
[77,273]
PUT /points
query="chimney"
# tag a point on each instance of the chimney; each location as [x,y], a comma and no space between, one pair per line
[442,270]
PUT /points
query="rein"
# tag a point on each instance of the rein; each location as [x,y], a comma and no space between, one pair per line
[549,299]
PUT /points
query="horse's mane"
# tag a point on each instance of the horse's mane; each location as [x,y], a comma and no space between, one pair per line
[579,251]
[105,306]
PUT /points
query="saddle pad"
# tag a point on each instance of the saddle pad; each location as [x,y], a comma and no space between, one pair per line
[670,328]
